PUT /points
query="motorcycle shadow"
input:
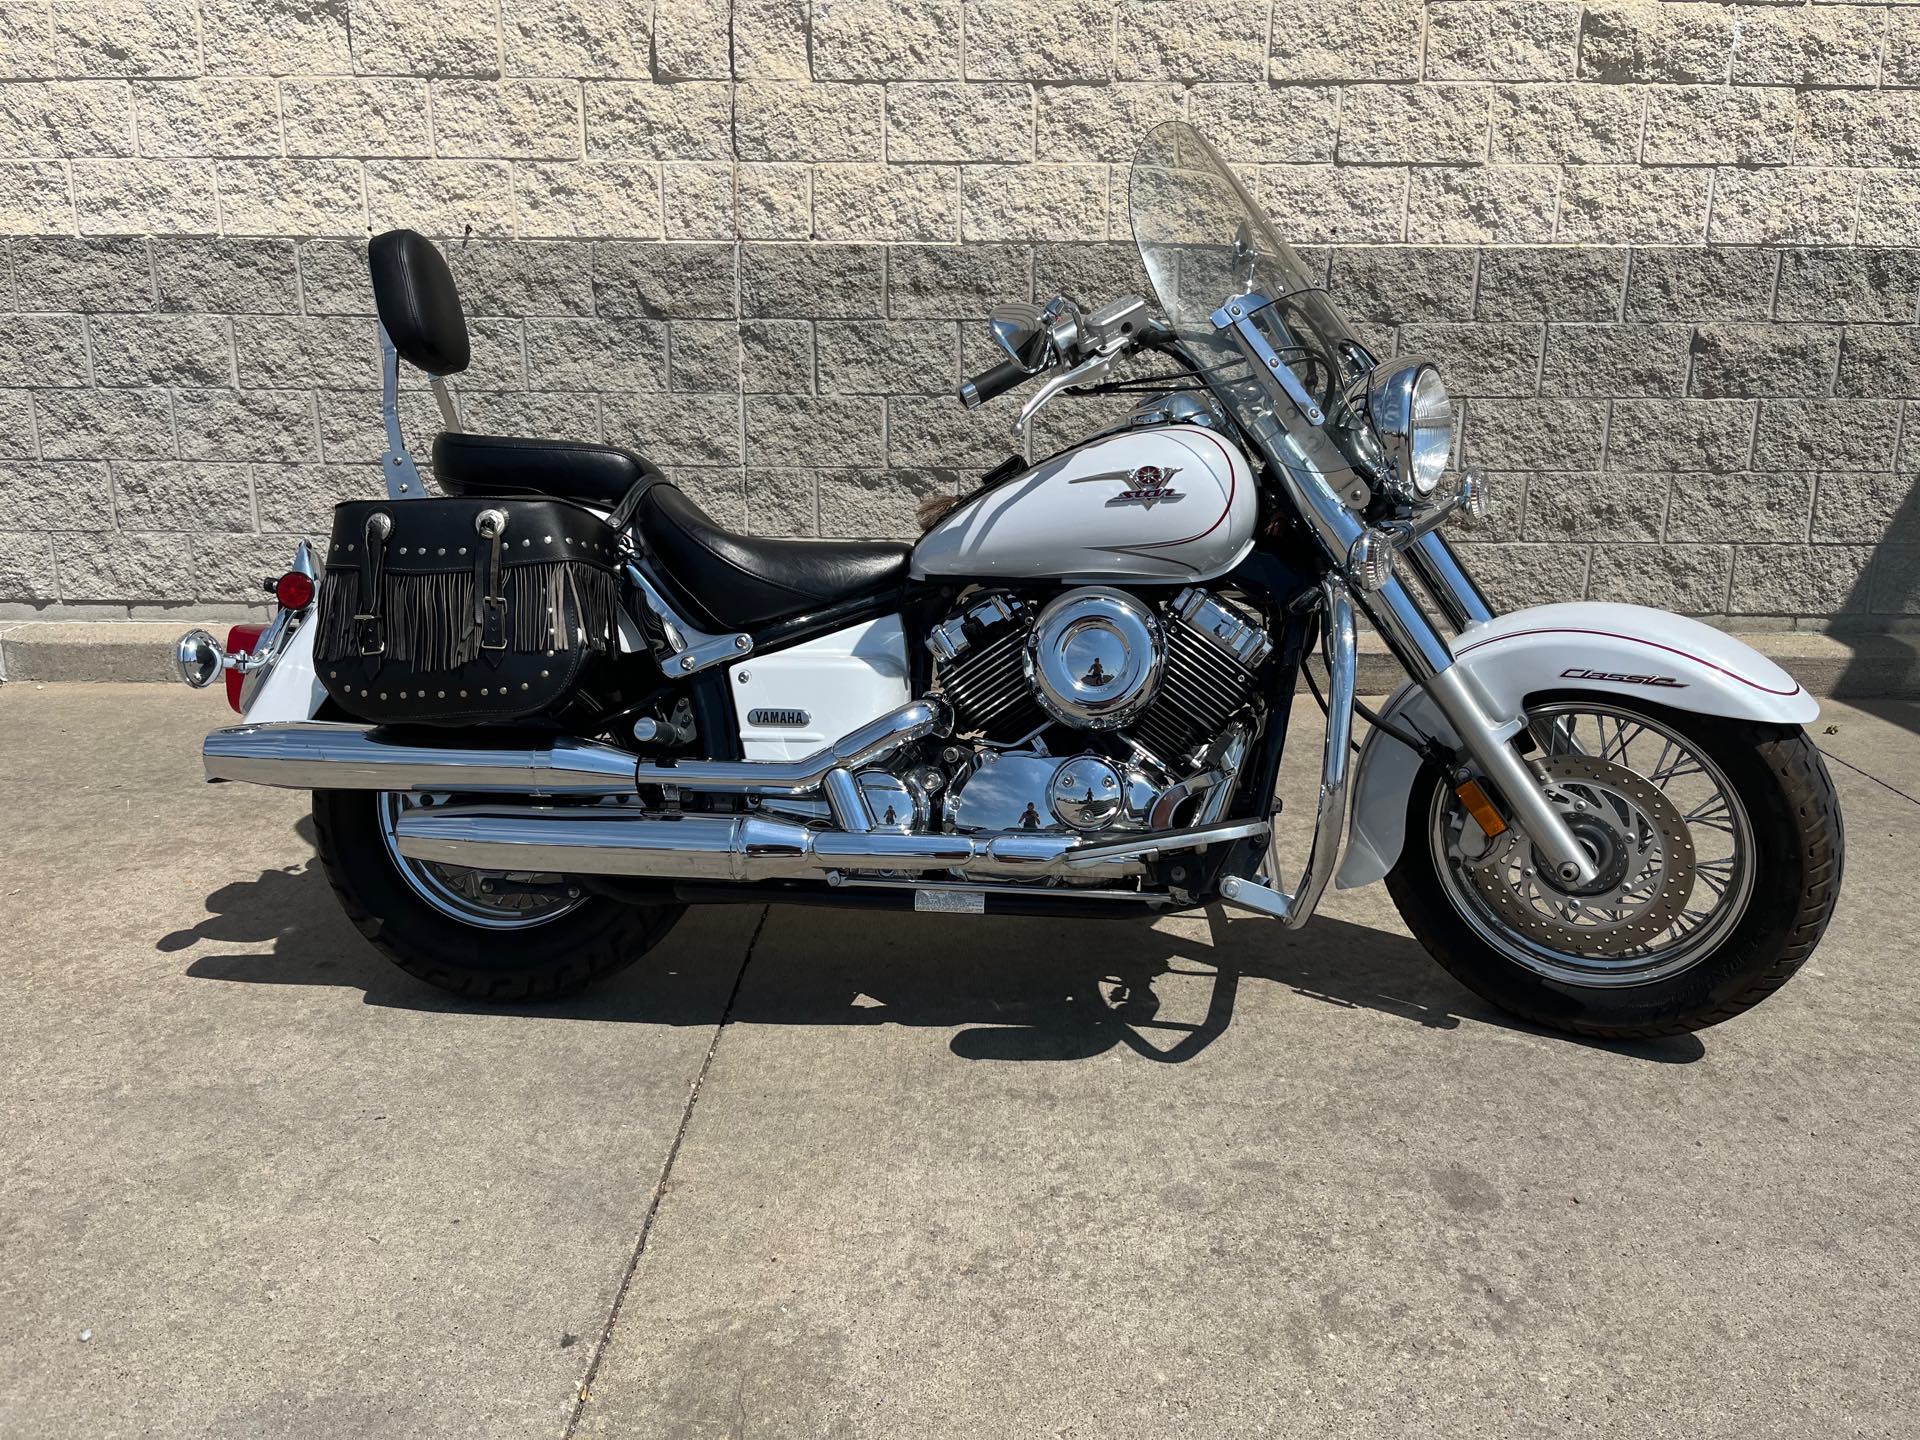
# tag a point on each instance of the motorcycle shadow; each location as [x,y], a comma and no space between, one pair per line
[1013,989]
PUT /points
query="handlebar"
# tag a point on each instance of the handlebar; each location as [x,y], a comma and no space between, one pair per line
[1079,345]
[994,381]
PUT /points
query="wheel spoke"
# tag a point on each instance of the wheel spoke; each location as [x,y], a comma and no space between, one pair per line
[1717,875]
[1712,813]
[1622,738]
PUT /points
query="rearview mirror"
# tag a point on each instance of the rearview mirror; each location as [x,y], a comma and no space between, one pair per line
[1021,330]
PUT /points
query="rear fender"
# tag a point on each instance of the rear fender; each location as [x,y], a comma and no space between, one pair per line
[291,690]
[1624,650]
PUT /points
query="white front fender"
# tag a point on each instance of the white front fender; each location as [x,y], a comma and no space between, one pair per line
[1626,650]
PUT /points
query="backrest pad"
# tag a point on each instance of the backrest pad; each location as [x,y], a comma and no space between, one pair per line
[414,292]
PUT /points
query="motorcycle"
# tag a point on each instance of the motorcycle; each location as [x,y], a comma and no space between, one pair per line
[544,710]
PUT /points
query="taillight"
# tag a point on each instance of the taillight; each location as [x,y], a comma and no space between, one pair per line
[240,641]
[294,590]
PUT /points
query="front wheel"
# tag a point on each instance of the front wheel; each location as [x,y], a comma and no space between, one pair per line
[485,935]
[1720,851]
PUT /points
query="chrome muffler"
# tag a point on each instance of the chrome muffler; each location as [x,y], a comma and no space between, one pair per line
[605,841]
[324,755]
[328,755]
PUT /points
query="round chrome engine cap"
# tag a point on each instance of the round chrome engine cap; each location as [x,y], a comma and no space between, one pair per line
[1636,836]
[1086,793]
[897,806]
[1094,657]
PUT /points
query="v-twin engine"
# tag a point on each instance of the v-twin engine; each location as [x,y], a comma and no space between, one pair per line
[1154,699]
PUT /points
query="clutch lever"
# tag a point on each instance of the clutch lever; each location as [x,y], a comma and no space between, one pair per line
[1091,370]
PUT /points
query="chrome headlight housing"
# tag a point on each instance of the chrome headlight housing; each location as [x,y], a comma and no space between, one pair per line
[1413,418]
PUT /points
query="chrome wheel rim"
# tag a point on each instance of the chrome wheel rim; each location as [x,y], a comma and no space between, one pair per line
[1674,840]
[486,899]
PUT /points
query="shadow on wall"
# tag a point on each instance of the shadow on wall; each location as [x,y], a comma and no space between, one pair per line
[1014,989]
[1888,588]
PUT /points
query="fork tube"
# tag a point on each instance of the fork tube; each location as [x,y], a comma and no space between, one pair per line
[1486,737]
[1453,589]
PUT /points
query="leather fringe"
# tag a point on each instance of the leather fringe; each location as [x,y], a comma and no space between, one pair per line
[428,620]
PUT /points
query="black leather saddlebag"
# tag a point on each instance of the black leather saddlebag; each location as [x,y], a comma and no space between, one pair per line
[463,611]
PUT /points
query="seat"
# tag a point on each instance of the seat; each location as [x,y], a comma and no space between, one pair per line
[510,466]
[744,582]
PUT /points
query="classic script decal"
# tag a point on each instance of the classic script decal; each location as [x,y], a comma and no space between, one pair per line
[1663,680]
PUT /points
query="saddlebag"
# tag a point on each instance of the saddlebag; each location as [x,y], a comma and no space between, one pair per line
[463,611]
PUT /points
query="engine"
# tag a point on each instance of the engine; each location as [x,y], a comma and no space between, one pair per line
[1098,709]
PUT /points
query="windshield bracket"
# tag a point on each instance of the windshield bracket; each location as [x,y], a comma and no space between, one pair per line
[1238,315]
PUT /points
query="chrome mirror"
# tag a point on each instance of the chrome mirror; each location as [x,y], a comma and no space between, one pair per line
[1021,330]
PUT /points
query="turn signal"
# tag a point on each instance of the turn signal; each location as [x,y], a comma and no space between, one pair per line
[240,641]
[1474,496]
[294,590]
[1370,561]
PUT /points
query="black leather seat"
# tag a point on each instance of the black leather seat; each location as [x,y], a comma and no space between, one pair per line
[509,466]
[743,582]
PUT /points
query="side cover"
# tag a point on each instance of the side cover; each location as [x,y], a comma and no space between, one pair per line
[1625,650]
[796,701]
[1169,505]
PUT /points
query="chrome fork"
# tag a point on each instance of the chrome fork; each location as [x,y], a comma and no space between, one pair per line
[1302,464]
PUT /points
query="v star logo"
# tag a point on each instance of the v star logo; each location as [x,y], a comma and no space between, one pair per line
[1147,486]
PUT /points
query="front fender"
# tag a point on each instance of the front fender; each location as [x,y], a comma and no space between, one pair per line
[1626,650]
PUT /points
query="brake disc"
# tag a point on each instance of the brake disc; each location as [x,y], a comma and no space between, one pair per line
[1637,838]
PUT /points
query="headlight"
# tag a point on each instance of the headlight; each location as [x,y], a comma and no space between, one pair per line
[1413,417]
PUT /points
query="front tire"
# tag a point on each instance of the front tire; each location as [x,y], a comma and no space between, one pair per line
[440,927]
[1757,922]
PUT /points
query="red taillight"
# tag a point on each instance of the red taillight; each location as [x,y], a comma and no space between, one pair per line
[240,641]
[293,590]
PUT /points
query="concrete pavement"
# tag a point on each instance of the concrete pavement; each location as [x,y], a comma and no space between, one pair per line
[941,1178]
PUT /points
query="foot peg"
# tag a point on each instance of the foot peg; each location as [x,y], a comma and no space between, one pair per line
[1251,895]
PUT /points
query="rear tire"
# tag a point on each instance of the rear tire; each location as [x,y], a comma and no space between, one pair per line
[1799,848]
[545,961]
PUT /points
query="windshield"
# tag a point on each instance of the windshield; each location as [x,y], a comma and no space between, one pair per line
[1204,243]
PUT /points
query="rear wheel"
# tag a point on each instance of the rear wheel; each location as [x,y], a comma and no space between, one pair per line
[1720,851]
[485,935]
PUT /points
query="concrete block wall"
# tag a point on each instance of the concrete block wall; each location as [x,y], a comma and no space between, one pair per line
[1661,246]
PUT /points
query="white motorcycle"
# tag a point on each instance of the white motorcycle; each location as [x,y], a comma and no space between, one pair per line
[547,708]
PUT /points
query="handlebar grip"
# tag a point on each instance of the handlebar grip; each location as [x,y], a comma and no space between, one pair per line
[988,383]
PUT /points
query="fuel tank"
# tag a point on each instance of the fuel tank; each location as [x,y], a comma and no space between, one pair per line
[1173,504]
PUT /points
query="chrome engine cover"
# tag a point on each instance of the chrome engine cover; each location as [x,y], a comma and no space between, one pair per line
[1028,790]
[1094,657]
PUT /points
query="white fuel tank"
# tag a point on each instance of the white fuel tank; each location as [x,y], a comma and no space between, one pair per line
[1173,504]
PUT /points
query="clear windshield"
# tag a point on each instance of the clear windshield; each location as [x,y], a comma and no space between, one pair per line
[1205,242]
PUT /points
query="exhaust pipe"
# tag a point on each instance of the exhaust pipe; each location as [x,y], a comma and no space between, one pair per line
[868,745]
[602,841]
[325,755]
[322,755]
